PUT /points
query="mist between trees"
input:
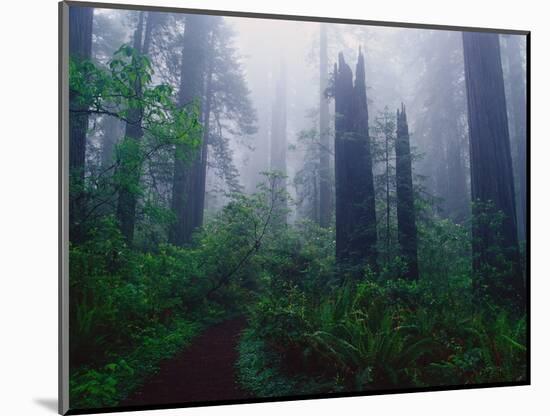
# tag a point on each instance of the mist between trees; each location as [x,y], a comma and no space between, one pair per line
[358,193]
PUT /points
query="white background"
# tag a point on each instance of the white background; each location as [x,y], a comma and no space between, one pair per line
[28,206]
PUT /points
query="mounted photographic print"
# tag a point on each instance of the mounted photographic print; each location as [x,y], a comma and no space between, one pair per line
[264,207]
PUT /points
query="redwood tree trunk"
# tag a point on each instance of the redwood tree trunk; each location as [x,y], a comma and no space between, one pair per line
[148,35]
[184,188]
[203,161]
[80,48]
[494,239]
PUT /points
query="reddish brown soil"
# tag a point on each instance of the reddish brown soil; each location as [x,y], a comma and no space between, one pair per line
[205,371]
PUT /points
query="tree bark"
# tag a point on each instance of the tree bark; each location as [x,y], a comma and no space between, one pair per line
[203,161]
[184,188]
[148,35]
[80,49]
[406,222]
[494,241]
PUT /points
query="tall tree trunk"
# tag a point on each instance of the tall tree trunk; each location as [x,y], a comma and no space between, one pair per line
[148,35]
[80,49]
[406,222]
[355,204]
[184,188]
[129,160]
[325,203]
[491,170]
[203,160]
[518,108]
[343,97]
[278,132]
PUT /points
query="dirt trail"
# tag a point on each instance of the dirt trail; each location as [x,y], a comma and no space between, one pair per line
[205,371]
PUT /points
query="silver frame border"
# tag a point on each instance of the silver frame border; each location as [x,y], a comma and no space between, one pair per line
[63,210]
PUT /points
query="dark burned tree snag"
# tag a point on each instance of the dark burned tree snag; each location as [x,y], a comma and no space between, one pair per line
[184,187]
[80,49]
[406,222]
[343,92]
[364,207]
[355,203]
[494,230]
[325,203]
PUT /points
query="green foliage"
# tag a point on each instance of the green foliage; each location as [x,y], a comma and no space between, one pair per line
[488,350]
[301,256]
[352,337]
[498,277]
[443,239]
[129,310]
[125,86]
[124,90]
[260,372]
[376,337]
[231,247]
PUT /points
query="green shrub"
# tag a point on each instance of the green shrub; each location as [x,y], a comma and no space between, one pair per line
[259,371]
[389,335]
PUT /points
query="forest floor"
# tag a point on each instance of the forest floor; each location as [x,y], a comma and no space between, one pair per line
[204,371]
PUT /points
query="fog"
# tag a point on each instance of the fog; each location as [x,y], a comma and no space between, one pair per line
[423,69]
[396,60]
